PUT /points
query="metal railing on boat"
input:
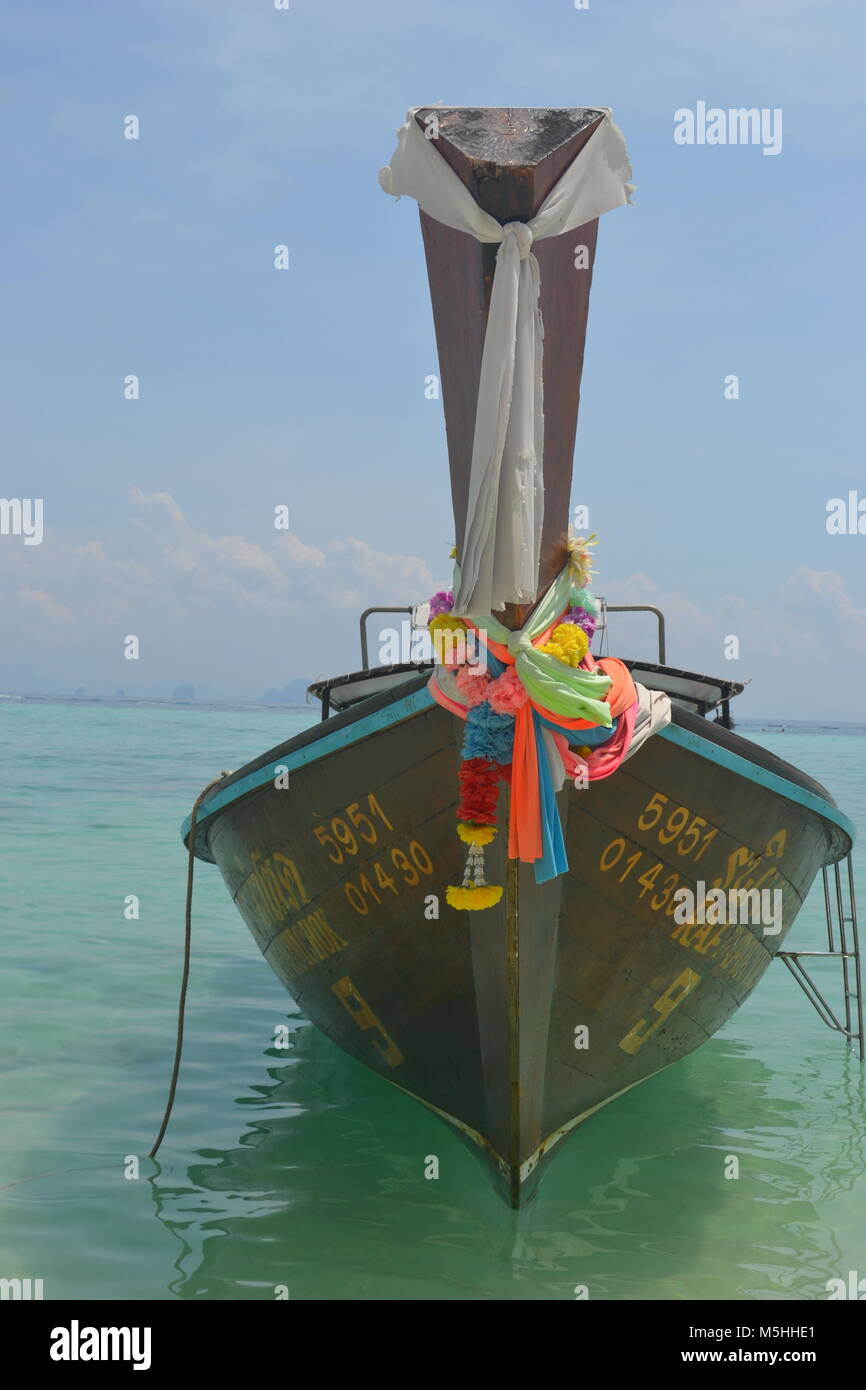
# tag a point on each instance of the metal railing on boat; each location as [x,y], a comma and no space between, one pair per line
[367,613]
[847,952]
[605,608]
[633,608]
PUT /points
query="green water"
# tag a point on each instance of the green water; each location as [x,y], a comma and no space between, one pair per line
[300,1168]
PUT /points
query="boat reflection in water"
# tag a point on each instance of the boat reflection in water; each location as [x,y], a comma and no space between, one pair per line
[330,1201]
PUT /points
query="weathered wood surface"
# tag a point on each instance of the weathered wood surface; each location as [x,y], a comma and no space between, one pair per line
[475,1014]
[510,158]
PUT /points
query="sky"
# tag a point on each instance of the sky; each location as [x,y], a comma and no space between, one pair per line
[305,387]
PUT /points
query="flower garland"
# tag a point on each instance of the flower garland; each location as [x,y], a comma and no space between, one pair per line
[492,704]
[568,642]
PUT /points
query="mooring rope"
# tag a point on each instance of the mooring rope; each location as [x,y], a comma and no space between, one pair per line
[181,1009]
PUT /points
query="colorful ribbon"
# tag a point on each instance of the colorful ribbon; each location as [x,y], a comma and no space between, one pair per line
[593,705]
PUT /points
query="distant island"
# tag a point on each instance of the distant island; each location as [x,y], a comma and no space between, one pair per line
[295,693]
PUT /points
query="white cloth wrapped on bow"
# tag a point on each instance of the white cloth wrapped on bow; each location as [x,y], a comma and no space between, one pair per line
[505,509]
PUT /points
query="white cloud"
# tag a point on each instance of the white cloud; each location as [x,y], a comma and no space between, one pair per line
[802,645]
[206,608]
[44,606]
[825,588]
[224,609]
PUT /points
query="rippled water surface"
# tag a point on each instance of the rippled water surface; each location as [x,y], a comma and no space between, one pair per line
[300,1168]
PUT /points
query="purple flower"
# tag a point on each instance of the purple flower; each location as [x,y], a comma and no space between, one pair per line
[582,619]
[442,602]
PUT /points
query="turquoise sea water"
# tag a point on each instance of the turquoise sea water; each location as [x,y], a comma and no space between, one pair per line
[300,1168]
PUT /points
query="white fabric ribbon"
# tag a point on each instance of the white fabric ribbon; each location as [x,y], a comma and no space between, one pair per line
[505,509]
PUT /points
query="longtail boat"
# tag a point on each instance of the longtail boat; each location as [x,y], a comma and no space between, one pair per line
[632,865]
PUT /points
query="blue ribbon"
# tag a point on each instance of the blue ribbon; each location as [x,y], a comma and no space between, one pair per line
[554,860]
[589,738]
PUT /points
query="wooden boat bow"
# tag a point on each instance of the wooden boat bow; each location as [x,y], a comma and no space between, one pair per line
[510,158]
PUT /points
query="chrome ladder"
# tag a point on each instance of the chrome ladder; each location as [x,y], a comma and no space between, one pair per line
[841,925]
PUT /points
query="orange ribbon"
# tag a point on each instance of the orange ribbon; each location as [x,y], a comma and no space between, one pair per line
[524,831]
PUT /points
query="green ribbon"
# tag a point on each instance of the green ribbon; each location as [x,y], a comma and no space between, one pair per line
[564,690]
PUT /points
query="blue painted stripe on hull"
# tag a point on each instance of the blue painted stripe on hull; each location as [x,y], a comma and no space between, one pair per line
[312,752]
[422,699]
[723,757]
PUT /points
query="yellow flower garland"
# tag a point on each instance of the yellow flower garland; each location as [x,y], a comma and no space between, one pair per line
[475,834]
[568,643]
[470,899]
[448,651]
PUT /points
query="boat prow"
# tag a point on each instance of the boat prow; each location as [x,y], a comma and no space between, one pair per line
[630,867]
[518,1023]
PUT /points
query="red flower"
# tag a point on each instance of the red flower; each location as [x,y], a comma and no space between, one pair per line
[479,791]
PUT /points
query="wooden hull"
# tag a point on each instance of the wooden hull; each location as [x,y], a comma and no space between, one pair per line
[514,1024]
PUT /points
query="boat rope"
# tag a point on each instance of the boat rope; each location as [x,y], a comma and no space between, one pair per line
[187,941]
